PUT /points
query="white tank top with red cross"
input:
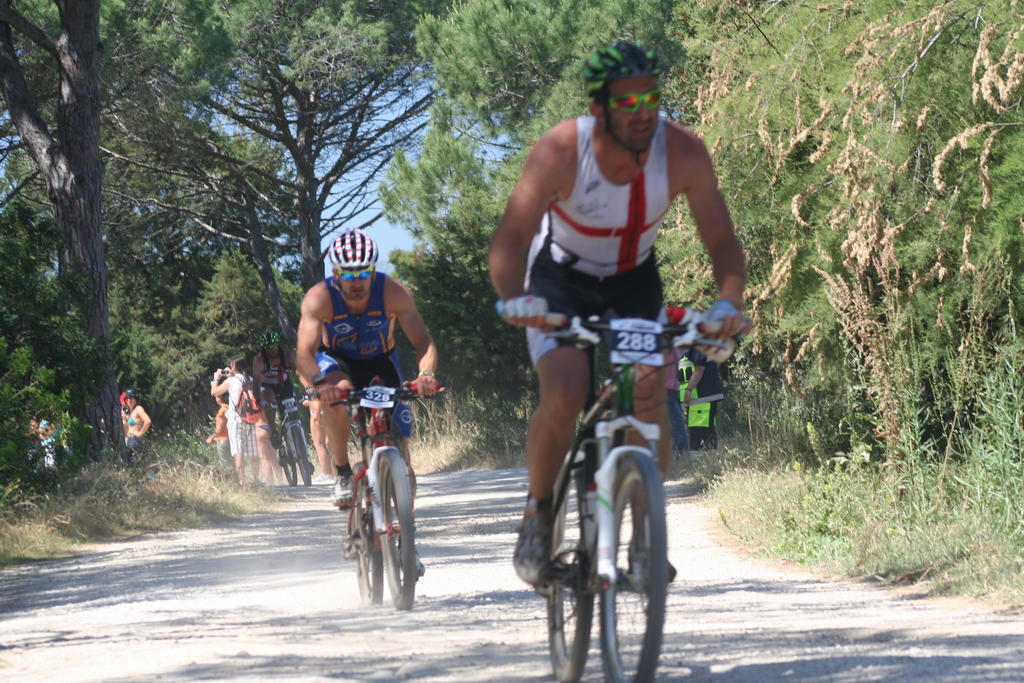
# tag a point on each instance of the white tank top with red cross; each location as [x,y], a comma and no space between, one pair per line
[602,228]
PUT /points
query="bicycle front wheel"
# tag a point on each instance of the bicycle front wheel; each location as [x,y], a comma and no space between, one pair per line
[369,566]
[633,604]
[570,600]
[288,465]
[286,457]
[398,543]
[296,442]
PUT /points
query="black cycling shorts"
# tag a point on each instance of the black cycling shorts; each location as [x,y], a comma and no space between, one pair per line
[362,371]
[637,293]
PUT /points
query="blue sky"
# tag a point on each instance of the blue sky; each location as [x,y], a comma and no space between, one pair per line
[389,237]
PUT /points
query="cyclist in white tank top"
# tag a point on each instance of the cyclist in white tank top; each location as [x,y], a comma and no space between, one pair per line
[604,228]
[586,209]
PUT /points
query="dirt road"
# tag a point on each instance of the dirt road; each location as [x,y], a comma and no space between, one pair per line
[269,597]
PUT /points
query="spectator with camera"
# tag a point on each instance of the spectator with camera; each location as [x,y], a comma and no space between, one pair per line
[248,431]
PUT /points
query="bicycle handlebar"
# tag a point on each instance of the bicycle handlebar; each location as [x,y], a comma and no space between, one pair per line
[406,392]
[690,329]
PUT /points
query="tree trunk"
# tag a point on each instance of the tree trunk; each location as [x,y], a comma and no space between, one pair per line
[308,210]
[262,260]
[75,189]
[69,162]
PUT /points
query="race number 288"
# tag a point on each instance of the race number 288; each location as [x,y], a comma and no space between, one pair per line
[635,341]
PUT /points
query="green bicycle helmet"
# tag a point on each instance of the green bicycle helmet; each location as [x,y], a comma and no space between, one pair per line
[618,61]
[270,338]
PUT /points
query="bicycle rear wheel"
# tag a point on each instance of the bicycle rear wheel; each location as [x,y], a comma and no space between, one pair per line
[570,602]
[369,565]
[633,605]
[398,543]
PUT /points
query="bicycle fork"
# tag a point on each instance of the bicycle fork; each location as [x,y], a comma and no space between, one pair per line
[605,480]
[372,480]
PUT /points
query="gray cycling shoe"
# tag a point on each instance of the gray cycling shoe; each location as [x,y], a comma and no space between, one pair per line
[342,494]
[532,557]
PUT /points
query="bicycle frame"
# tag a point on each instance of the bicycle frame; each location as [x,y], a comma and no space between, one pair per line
[618,494]
[620,390]
[377,428]
[606,458]
[385,499]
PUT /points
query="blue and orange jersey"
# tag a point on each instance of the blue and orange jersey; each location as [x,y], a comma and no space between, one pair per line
[364,335]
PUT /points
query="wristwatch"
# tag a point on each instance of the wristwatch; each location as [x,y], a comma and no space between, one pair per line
[310,391]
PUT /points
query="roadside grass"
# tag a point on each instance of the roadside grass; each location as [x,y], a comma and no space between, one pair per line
[177,484]
[877,525]
[949,518]
[467,431]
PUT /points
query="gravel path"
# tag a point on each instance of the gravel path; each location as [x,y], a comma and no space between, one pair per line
[269,597]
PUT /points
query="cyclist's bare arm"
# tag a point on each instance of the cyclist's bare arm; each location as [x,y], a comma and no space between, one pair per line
[692,174]
[548,175]
[257,375]
[316,310]
[398,301]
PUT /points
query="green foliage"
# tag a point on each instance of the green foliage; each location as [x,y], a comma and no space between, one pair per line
[233,310]
[949,515]
[507,71]
[869,154]
[47,364]
[514,67]
[176,320]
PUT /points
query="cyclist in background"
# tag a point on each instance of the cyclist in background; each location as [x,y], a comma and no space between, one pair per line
[584,214]
[347,338]
[272,380]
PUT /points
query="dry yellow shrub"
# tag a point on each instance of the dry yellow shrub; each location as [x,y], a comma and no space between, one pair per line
[922,117]
[960,141]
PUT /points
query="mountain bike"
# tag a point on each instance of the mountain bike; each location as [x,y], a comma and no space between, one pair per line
[381,524]
[609,534]
[294,457]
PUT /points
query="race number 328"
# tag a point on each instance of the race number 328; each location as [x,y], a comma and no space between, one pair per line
[377,397]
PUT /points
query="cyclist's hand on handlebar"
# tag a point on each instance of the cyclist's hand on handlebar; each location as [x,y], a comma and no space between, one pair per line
[426,385]
[723,319]
[330,393]
[524,311]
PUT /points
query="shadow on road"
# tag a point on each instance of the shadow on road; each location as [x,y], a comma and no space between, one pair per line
[270,597]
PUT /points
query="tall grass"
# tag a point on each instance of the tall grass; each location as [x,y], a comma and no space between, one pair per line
[176,484]
[458,431]
[950,513]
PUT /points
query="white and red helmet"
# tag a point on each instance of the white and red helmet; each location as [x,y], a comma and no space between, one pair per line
[353,249]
